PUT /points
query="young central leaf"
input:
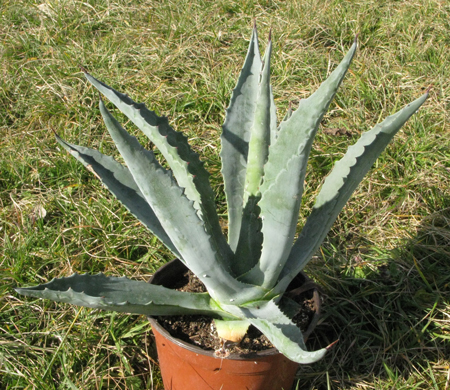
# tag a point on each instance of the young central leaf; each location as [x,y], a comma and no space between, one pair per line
[250,237]
[260,134]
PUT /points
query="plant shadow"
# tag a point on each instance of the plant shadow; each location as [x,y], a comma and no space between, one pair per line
[390,314]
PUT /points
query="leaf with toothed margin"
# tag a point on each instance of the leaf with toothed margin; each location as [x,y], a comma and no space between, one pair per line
[339,186]
[258,148]
[183,161]
[288,113]
[120,182]
[279,329]
[250,237]
[299,127]
[123,295]
[178,217]
[273,119]
[236,135]
[284,176]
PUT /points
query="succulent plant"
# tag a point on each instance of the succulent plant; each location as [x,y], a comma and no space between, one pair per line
[263,168]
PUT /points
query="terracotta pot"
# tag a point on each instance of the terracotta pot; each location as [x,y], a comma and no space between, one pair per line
[186,366]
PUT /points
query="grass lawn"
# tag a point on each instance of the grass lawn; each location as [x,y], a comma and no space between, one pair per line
[385,265]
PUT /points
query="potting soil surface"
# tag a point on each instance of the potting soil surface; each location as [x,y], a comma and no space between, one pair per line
[200,330]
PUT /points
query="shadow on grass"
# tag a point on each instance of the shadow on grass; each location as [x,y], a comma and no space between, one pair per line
[391,315]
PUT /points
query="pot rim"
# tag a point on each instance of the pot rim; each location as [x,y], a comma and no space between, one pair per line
[177,264]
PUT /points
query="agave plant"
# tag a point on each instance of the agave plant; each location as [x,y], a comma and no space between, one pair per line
[263,167]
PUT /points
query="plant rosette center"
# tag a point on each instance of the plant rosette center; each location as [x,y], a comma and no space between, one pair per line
[201,330]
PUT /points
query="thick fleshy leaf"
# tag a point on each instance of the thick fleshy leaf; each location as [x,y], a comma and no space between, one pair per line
[184,163]
[120,182]
[284,176]
[248,250]
[178,217]
[273,118]
[258,150]
[123,295]
[279,329]
[236,135]
[232,330]
[339,186]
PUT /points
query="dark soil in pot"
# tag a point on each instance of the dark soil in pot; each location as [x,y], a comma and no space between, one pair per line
[200,330]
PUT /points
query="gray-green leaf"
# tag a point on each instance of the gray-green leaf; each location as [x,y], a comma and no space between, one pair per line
[122,295]
[236,135]
[120,182]
[339,186]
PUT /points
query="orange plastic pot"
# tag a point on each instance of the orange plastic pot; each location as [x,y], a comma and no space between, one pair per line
[186,366]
